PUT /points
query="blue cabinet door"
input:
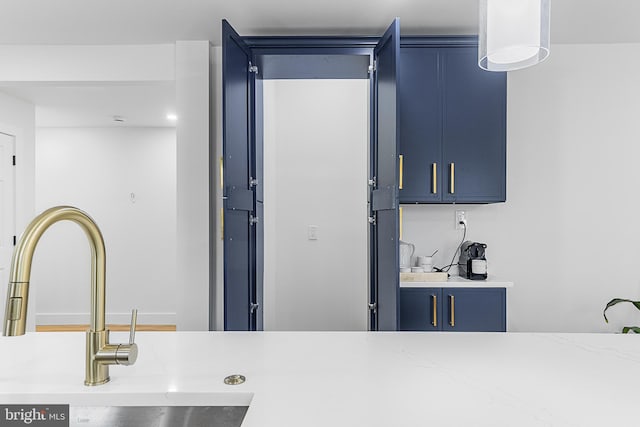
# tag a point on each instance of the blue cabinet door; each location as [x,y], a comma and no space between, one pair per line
[452,124]
[474,310]
[239,196]
[420,125]
[474,129]
[453,309]
[384,252]
[420,309]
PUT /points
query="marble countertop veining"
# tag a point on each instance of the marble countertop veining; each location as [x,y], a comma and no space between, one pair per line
[349,378]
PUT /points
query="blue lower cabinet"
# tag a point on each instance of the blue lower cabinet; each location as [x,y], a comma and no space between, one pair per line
[419,309]
[453,309]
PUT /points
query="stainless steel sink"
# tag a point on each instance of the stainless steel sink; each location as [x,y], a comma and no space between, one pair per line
[156,416]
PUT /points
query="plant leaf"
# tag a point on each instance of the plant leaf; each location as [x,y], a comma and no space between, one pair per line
[627,329]
[617,301]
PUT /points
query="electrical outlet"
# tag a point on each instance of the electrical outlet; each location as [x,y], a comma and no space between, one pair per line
[461,216]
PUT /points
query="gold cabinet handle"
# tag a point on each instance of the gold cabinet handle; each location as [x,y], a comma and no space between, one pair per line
[401,169]
[452,178]
[434,302]
[452,307]
[434,178]
[221,188]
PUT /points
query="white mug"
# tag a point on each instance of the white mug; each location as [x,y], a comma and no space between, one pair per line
[425,260]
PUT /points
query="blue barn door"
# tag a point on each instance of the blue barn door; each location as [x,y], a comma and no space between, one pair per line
[384,231]
[239,192]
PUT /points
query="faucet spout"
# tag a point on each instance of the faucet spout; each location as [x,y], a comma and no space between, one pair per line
[100,353]
[17,298]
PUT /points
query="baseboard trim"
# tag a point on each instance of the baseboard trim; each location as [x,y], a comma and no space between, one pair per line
[111,318]
[114,328]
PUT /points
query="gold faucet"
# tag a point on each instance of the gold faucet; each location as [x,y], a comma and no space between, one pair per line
[100,353]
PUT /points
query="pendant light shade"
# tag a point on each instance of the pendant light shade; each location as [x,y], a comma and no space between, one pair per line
[514,34]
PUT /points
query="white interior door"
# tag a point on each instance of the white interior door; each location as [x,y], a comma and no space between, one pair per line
[7,208]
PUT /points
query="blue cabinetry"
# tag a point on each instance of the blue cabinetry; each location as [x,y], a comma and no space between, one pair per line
[452,125]
[420,125]
[453,309]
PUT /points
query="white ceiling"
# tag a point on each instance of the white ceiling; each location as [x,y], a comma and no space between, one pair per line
[165,21]
[95,106]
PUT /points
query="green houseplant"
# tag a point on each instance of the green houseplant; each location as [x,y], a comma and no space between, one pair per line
[615,301]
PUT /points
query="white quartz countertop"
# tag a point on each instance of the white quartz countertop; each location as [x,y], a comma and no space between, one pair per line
[349,378]
[460,282]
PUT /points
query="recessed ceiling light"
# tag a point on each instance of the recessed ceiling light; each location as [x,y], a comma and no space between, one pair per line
[172,117]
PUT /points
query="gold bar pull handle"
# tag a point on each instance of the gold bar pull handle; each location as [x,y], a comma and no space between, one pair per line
[401,170]
[434,303]
[434,178]
[452,178]
[452,307]
[222,188]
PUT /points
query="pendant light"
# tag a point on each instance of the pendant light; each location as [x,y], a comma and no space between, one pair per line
[514,34]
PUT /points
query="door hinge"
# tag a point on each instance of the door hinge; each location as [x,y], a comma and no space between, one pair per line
[373,306]
[253,220]
[14,240]
[14,160]
[374,67]
[253,182]
[253,307]
[253,68]
[372,182]
[372,220]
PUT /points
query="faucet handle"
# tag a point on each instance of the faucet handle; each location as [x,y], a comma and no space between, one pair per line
[127,354]
[134,323]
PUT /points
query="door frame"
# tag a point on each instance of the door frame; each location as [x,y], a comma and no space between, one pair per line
[364,46]
[14,194]
[24,189]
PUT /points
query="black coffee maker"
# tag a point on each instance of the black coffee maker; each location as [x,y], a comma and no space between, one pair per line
[472,264]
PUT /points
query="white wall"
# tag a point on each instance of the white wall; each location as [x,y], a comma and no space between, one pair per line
[567,235]
[186,62]
[215,194]
[17,118]
[315,173]
[193,157]
[87,63]
[97,170]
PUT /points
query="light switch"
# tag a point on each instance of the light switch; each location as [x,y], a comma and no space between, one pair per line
[312,232]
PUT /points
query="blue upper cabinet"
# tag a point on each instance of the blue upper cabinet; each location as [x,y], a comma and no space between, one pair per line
[453,125]
[474,107]
[420,125]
